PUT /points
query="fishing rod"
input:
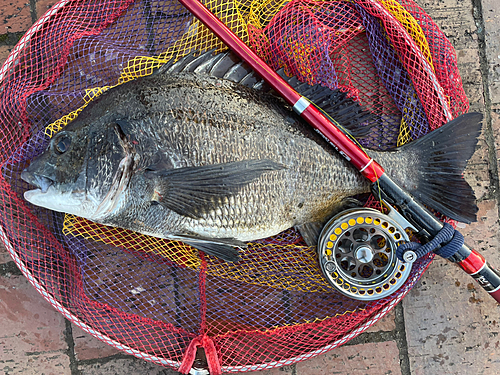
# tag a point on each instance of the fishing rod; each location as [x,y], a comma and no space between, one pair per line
[421,219]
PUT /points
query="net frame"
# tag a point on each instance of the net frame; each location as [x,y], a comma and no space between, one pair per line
[34,278]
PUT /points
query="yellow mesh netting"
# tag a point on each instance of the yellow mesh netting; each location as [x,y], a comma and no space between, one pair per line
[174,251]
[299,260]
[411,25]
[407,119]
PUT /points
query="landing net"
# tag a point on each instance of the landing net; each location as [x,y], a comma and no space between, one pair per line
[160,300]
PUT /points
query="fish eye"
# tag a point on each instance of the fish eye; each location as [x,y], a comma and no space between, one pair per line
[62,143]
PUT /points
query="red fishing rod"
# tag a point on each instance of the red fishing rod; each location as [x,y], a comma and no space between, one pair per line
[423,220]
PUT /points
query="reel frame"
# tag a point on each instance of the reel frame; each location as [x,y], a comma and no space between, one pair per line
[357,254]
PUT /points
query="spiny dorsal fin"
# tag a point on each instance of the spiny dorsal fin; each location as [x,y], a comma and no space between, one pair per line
[335,103]
[223,65]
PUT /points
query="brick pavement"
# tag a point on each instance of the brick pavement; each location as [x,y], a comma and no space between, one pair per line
[446,325]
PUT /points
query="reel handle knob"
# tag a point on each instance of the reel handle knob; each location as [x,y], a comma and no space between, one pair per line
[410,256]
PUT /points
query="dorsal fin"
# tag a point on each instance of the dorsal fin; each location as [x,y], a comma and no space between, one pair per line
[223,65]
[335,103]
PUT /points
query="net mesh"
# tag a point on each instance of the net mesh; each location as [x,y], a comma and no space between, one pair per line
[153,297]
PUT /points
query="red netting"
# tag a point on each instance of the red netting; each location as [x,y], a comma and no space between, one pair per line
[153,297]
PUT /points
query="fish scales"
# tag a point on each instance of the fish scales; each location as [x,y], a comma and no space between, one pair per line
[199,132]
[148,141]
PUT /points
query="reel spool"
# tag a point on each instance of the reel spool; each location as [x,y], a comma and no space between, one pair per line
[357,254]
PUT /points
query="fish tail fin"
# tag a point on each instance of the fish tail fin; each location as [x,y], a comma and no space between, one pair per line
[443,156]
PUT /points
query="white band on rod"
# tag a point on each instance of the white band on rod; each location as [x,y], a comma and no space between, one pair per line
[366,166]
[301,105]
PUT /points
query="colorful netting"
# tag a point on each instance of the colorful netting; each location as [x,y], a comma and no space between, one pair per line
[157,299]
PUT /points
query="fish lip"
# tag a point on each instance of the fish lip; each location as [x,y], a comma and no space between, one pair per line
[41,182]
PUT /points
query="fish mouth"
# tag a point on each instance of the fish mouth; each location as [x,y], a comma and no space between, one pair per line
[41,182]
[48,195]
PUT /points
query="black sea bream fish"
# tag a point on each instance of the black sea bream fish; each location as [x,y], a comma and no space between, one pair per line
[214,163]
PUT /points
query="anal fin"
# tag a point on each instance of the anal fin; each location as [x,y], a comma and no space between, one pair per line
[311,231]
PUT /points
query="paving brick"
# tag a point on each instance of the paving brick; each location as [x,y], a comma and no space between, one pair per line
[491,16]
[387,323]
[124,366]
[495,125]
[469,68]
[373,358]
[285,370]
[483,234]
[32,331]
[43,6]
[4,254]
[455,19]
[88,347]
[452,325]
[55,363]
[15,16]
[477,173]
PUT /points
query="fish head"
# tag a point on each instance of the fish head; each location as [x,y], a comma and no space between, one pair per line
[82,167]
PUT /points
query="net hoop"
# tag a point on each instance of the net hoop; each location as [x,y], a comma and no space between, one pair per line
[352,322]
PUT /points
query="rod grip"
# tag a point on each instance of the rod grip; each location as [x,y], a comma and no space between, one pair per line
[469,260]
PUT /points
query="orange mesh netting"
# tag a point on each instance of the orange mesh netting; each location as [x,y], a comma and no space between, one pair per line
[158,299]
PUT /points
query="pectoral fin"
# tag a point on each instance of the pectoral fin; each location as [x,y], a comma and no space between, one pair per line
[195,191]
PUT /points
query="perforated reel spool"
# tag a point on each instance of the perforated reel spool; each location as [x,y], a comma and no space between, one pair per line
[357,254]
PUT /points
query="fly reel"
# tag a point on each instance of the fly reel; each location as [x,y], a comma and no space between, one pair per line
[357,254]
